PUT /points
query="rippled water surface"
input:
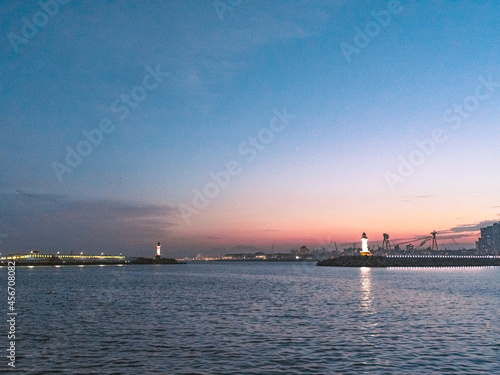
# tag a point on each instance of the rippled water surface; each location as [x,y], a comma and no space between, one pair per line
[257,318]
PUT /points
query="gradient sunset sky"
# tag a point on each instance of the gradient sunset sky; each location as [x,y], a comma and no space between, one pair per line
[333,118]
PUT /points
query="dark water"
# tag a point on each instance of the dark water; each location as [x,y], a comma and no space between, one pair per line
[256,318]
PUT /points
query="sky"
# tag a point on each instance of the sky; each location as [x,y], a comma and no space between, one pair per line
[210,124]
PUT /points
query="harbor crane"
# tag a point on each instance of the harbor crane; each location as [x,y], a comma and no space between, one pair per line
[432,238]
[386,245]
[458,246]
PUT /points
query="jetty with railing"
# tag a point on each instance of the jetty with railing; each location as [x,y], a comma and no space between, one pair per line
[412,261]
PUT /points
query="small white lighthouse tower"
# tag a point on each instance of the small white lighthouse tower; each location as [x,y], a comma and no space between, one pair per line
[364,245]
[158,251]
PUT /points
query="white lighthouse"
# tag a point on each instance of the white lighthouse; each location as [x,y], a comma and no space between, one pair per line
[364,245]
[158,251]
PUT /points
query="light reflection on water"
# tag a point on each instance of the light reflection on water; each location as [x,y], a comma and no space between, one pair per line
[366,299]
[260,318]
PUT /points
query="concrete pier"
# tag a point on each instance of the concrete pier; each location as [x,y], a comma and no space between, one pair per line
[411,261]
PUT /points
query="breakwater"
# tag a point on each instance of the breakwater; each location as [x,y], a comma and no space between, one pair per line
[155,260]
[89,261]
[417,261]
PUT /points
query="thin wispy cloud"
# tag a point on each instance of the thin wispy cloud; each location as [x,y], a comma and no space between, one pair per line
[57,222]
[472,227]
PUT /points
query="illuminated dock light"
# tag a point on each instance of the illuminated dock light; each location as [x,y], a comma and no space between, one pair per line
[364,245]
[158,250]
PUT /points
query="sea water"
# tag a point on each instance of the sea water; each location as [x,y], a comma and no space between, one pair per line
[255,318]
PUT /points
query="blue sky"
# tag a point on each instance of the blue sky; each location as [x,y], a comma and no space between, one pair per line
[324,175]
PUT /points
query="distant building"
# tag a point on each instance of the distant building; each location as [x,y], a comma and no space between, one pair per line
[489,242]
[281,256]
[260,255]
[239,256]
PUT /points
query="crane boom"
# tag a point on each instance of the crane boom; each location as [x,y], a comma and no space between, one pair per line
[424,241]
